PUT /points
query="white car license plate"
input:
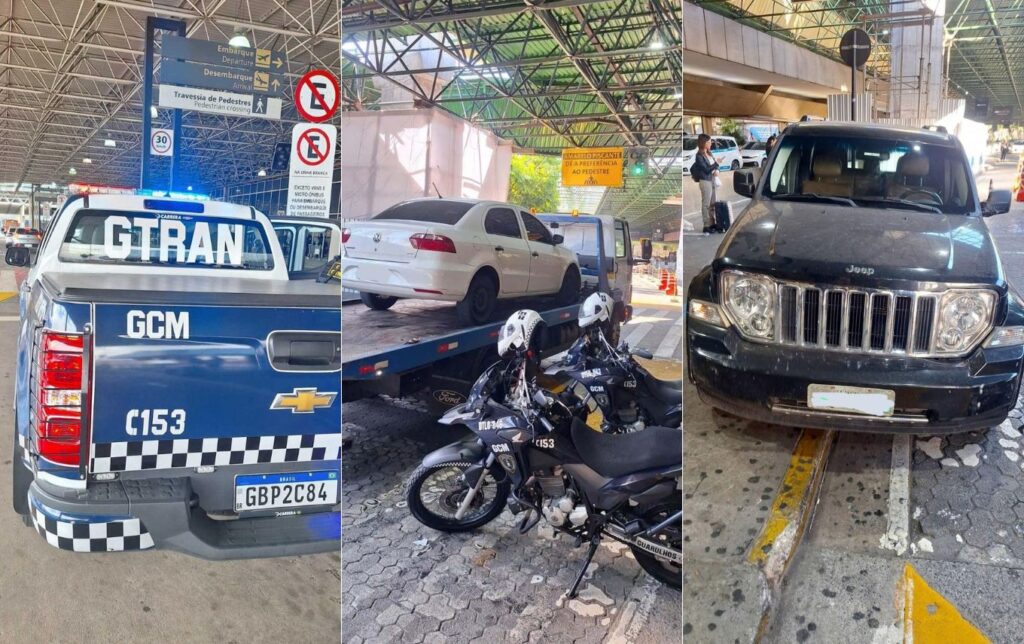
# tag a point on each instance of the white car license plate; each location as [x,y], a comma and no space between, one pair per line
[289,490]
[857,400]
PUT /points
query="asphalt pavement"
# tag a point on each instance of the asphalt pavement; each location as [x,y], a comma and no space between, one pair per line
[944,515]
[51,595]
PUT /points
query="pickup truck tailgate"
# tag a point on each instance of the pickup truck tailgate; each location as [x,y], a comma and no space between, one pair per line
[183,386]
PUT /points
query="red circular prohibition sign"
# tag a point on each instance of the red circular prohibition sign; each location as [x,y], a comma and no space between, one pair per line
[304,138]
[307,81]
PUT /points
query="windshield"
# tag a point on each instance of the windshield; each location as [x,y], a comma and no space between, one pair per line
[689,143]
[883,173]
[176,240]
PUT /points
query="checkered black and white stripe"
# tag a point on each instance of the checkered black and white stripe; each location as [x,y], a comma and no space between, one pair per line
[193,452]
[110,535]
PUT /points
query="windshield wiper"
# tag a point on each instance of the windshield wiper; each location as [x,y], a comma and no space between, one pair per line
[914,205]
[810,196]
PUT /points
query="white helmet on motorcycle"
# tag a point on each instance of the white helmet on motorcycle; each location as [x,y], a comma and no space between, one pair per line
[517,332]
[595,309]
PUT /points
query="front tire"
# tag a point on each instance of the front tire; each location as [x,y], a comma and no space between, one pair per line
[668,573]
[570,291]
[478,305]
[377,302]
[445,491]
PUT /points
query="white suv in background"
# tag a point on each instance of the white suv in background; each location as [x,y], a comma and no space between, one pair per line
[753,154]
[467,251]
[724,148]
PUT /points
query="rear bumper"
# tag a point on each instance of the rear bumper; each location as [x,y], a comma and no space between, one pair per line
[137,514]
[411,280]
[769,384]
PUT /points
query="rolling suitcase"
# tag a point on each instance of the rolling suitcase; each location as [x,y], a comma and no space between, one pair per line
[723,215]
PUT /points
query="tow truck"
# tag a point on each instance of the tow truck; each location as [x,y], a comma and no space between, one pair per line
[419,347]
[174,388]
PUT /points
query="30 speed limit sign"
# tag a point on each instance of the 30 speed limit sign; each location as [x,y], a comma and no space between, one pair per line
[161,143]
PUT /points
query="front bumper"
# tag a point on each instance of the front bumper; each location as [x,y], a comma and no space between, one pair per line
[769,383]
[164,512]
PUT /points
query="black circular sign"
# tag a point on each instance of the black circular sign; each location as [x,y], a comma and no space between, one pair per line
[855,47]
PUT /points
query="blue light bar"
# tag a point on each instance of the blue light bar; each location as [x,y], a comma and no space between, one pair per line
[184,196]
[166,205]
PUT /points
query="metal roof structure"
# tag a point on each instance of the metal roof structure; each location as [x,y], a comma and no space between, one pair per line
[986,40]
[546,75]
[71,80]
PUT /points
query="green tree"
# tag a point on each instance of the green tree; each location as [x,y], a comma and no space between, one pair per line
[533,181]
[730,127]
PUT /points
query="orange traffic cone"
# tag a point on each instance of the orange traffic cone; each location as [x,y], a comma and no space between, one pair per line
[670,289]
[664,280]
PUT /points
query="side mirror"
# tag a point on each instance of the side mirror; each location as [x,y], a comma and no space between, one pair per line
[998,203]
[18,257]
[553,225]
[646,249]
[744,181]
[556,240]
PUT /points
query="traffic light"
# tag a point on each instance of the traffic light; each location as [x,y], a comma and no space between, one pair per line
[637,162]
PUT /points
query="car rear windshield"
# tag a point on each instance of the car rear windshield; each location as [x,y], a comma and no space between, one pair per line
[690,143]
[901,174]
[174,240]
[431,212]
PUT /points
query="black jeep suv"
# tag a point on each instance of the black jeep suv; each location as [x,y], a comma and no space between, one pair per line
[860,289]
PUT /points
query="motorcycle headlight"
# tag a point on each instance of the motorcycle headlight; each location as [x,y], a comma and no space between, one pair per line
[964,317]
[750,302]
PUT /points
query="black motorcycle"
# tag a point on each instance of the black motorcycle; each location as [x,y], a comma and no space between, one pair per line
[535,455]
[629,397]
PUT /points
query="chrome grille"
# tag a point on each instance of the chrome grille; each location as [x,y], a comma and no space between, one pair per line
[855,319]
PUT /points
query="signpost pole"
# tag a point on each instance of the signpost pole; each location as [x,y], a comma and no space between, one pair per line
[176,152]
[152,24]
[853,82]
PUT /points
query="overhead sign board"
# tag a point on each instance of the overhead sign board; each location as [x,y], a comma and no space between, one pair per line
[317,95]
[312,170]
[592,167]
[175,72]
[216,102]
[215,53]
[161,142]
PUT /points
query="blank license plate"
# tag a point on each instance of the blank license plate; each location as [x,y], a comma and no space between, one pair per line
[290,490]
[857,400]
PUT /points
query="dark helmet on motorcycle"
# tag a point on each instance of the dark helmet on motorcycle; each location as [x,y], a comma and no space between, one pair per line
[518,333]
[596,309]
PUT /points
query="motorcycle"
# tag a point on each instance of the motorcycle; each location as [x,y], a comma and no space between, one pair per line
[629,397]
[533,454]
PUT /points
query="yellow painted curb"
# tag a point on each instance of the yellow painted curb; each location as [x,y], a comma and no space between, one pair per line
[791,508]
[929,618]
[6,295]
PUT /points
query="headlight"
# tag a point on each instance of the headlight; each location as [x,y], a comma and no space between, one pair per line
[964,317]
[750,302]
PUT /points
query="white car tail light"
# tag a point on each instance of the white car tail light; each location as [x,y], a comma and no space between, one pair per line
[427,241]
[345,234]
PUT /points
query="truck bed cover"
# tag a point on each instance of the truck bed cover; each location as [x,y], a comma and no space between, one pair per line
[179,289]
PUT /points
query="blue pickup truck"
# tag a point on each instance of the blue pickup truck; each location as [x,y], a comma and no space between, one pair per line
[174,388]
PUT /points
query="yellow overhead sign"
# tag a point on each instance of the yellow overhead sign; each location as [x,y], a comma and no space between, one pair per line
[592,167]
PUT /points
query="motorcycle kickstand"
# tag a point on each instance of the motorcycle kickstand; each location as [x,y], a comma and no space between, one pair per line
[594,543]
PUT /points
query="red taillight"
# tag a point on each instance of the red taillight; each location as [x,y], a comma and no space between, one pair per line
[427,241]
[345,234]
[59,415]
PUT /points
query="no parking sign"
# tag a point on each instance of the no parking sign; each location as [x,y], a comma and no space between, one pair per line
[312,169]
[317,95]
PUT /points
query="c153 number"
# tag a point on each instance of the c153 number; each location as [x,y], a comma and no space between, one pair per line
[154,422]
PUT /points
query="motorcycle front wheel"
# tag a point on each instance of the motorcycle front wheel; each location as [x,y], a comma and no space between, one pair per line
[663,570]
[435,493]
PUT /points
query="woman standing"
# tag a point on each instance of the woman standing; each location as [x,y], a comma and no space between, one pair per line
[705,173]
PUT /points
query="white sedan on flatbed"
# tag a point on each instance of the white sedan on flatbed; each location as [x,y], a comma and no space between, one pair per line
[462,250]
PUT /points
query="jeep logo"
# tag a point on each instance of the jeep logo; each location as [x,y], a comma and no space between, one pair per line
[449,397]
[860,270]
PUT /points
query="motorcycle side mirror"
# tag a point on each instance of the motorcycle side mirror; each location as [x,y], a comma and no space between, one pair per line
[643,353]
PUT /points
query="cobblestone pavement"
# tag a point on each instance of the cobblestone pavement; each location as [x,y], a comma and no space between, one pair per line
[403,582]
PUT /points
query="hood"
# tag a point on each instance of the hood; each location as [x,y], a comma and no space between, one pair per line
[838,244]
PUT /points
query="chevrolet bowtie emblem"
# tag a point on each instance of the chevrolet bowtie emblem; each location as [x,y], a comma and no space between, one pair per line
[303,401]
